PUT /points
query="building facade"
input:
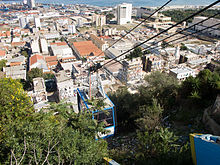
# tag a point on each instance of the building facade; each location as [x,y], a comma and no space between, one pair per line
[214,31]
[124,12]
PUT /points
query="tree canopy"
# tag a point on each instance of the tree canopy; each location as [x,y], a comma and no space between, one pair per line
[137,52]
[15,105]
[2,64]
[56,135]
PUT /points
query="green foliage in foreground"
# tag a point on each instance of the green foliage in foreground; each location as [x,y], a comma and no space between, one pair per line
[161,146]
[52,136]
[162,101]
[202,89]
[2,64]
[15,105]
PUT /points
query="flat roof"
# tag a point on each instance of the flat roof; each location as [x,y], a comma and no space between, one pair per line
[181,70]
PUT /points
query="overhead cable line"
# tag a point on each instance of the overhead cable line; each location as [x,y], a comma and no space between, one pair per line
[177,39]
[180,22]
[189,34]
[183,30]
[160,8]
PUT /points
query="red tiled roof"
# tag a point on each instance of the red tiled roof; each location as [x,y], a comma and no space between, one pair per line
[35,58]
[86,47]
[17,43]
[17,35]
[68,58]
[50,58]
[8,33]
[2,52]
[15,63]
[52,63]
[58,43]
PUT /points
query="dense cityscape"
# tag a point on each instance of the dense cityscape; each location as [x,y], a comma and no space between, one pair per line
[84,84]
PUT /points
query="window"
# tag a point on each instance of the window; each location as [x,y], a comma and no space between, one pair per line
[104,116]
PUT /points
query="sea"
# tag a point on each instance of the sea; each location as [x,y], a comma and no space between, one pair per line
[136,3]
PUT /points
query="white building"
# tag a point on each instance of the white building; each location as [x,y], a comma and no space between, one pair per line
[15,72]
[99,20]
[124,12]
[31,3]
[43,46]
[61,50]
[39,93]
[23,22]
[52,35]
[25,2]
[131,71]
[35,46]
[214,31]
[182,73]
[119,48]
[64,85]
[72,29]
[37,22]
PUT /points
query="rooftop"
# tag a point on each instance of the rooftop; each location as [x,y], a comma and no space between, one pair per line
[85,48]
[35,58]
[50,58]
[61,76]
[113,66]
[58,43]
[38,84]
[181,70]
[2,52]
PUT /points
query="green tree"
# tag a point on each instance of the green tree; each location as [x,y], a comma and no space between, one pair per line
[161,146]
[15,105]
[33,73]
[48,76]
[149,116]
[127,105]
[183,47]
[137,52]
[24,53]
[163,87]
[110,16]
[203,88]
[59,136]
[2,64]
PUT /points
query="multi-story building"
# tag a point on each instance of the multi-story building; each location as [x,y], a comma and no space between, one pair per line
[37,22]
[99,20]
[38,61]
[182,73]
[214,31]
[61,50]
[103,45]
[39,94]
[131,71]
[31,3]
[71,29]
[23,22]
[44,46]
[152,63]
[35,47]
[124,12]
[119,48]
[15,72]
[65,85]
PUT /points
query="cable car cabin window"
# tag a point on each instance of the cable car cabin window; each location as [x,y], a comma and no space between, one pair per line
[104,116]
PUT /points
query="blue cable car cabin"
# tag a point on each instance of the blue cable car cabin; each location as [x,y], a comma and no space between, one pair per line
[107,116]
